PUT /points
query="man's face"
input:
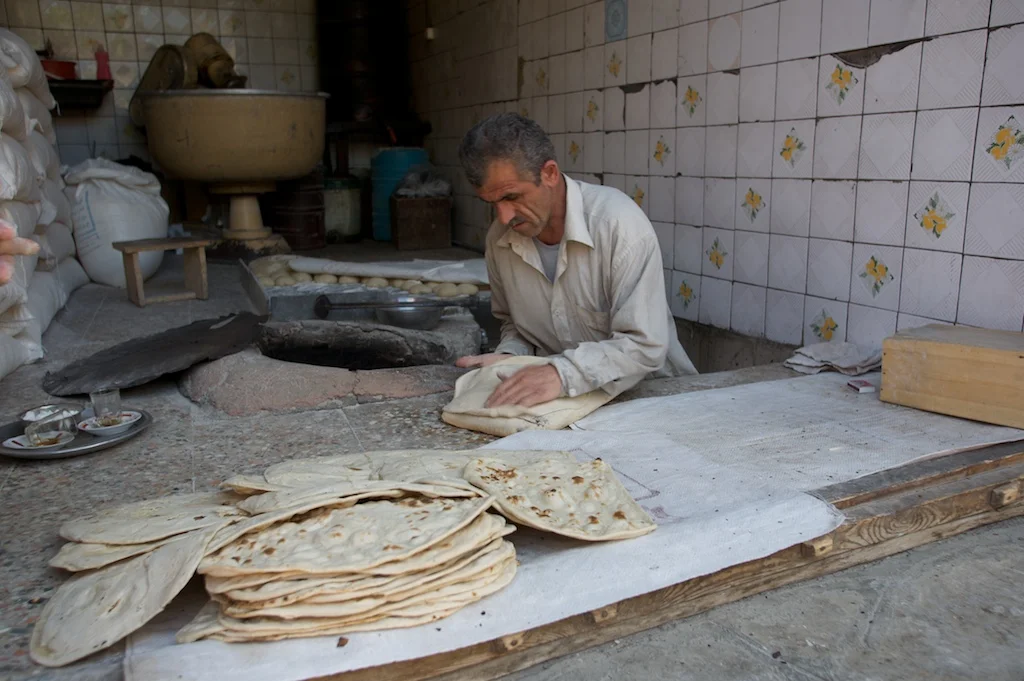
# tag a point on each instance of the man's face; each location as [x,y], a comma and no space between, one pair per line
[522,204]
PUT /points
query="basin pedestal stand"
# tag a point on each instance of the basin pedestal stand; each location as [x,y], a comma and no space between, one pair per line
[246,236]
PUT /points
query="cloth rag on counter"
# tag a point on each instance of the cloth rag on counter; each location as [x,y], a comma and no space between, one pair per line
[846,358]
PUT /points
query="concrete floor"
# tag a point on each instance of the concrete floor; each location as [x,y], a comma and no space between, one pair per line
[950,610]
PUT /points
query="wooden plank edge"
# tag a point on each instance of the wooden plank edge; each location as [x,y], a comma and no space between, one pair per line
[498,657]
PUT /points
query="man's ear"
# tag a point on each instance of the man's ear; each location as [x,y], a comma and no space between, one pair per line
[550,173]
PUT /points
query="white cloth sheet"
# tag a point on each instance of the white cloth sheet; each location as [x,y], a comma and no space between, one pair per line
[458,271]
[683,458]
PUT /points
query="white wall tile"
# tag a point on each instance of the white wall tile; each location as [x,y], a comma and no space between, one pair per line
[1006,12]
[752,204]
[832,209]
[715,302]
[662,152]
[690,151]
[615,64]
[689,248]
[574,36]
[999,152]
[692,10]
[723,98]
[796,96]
[891,83]
[719,203]
[1003,82]
[828,269]
[937,215]
[690,200]
[593,152]
[896,20]
[614,109]
[693,49]
[615,152]
[881,212]
[844,25]
[666,14]
[641,17]
[557,82]
[691,95]
[666,235]
[556,34]
[639,189]
[750,264]
[760,35]
[665,54]
[748,305]
[787,263]
[840,88]
[950,16]
[836,147]
[784,317]
[638,109]
[593,111]
[995,221]
[637,143]
[574,112]
[663,203]
[886,146]
[720,156]
[575,154]
[944,144]
[724,43]
[876,276]
[755,149]
[574,72]
[931,284]
[638,59]
[685,306]
[824,321]
[799,28]
[757,93]
[794,149]
[593,68]
[869,326]
[717,8]
[905,322]
[718,253]
[992,294]
[790,207]
[663,104]
[593,24]
[952,70]
[615,181]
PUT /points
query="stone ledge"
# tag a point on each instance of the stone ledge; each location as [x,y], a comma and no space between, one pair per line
[249,383]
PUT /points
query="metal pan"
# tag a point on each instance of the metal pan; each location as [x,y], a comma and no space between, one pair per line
[82,444]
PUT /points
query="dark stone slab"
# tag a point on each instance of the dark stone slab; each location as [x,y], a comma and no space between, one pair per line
[142,360]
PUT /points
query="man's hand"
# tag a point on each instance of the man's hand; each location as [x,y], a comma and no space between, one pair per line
[527,387]
[10,246]
[479,361]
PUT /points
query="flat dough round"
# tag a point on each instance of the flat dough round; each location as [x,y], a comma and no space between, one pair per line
[325,279]
[375,282]
[302,277]
[421,290]
[467,289]
[266,281]
[447,290]
[285,281]
[345,279]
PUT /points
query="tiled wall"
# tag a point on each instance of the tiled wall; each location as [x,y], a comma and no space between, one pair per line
[273,41]
[803,187]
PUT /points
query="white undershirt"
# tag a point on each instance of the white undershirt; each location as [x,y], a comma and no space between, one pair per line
[548,258]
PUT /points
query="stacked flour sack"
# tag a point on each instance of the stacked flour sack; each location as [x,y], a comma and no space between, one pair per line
[32,199]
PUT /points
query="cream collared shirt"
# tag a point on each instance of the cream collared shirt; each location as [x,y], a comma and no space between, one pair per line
[605,320]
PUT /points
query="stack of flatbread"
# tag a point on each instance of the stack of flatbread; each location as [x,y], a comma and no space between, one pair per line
[325,546]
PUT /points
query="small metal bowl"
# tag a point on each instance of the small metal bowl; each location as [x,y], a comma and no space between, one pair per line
[422,318]
[69,423]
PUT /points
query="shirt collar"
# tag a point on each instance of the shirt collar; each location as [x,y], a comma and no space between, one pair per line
[575,221]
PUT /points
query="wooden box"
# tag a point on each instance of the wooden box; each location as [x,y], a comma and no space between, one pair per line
[975,374]
[419,224]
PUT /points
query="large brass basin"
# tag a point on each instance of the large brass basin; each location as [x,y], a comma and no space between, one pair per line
[239,141]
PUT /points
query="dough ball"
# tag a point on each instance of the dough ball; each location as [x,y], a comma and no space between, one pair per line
[265,281]
[432,285]
[375,282]
[420,290]
[408,284]
[467,289]
[302,277]
[447,291]
[398,283]
[325,279]
[285,281]
[348,280]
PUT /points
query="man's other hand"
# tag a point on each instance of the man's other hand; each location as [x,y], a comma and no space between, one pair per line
[478,361]
[10,246]
[527,387]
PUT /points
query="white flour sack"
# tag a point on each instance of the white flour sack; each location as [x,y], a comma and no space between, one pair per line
[23,67]
[43,156]
[17,174]
[37,116]
[12,113]
[109,203]
[24,216]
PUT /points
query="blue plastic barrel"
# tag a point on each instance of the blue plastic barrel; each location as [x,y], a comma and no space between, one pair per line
[387,169]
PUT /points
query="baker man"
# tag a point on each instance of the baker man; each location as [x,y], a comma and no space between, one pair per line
[10,246]
[575,272]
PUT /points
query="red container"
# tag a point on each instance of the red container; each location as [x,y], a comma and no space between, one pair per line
[60,70]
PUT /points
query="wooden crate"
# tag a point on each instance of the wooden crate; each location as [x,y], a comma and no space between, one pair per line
[975,374]
[420,224]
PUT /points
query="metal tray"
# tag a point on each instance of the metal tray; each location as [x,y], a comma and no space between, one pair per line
[83,443]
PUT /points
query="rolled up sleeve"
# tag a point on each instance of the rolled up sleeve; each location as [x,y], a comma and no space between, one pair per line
[640,336]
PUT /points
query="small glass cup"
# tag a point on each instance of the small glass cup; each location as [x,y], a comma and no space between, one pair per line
[48,431]
[106,407]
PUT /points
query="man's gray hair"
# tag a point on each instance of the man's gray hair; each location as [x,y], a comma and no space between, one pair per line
[505,137]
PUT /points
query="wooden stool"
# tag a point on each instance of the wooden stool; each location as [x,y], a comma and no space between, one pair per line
[195,267]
